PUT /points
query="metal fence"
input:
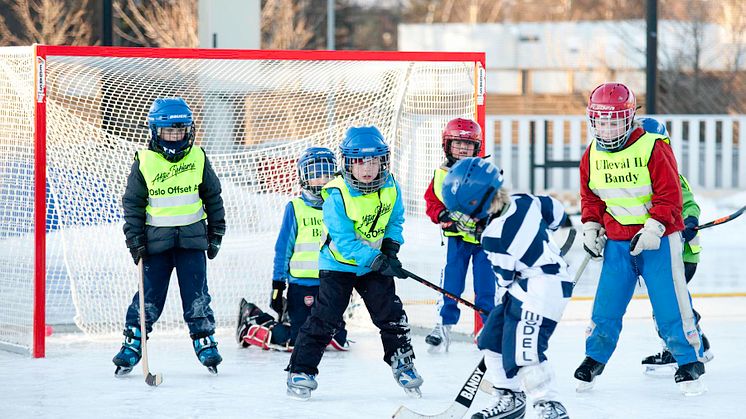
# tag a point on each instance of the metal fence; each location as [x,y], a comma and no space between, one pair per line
[540,152]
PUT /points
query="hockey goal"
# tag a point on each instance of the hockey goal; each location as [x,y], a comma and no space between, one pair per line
[71,119]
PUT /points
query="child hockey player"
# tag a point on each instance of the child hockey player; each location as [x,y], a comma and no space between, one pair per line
[363,217]
[692,248]
[170,191]
[296,261]
[461,138]
[630,192]
[534,285]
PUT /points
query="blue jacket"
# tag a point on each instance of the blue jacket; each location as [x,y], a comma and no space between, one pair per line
[284,248]
[342,230]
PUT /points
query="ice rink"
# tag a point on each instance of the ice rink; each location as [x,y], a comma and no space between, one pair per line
[76,378]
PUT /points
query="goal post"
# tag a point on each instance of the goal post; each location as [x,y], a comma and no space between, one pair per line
[72,118]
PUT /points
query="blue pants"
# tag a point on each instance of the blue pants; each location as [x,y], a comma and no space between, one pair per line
[191,270]
[454,278]
[300,300]
[507,326]
[663,271]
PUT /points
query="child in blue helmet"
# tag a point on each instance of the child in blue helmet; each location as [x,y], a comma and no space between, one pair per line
[690,213]
[533,285]
[363,216]
[296,262]
[173,213]
[461,138]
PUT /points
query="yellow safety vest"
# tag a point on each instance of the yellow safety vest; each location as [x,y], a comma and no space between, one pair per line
[305,260]
[369,213]
[622,179]
[173,188]
[438,177]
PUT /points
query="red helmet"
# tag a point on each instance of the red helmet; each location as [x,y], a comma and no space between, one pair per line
[611,111]
[461,129]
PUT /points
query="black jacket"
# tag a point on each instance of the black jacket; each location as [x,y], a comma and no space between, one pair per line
[161,239]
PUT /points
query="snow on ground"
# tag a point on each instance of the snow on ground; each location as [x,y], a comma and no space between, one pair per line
[76,378]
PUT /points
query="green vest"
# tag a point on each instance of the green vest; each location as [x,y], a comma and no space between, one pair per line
[622,179]
[438,177]
[691,249]
[369,214]
[305,260]
[173,188]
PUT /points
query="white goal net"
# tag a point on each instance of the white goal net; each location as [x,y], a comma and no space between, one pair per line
[255,112]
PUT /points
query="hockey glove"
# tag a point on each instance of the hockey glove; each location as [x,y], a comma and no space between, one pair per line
[214,239]
[136,245]
[594,239]
[648,238]
[444,217]
[390,248]
[387,266]
[690,224]
[278,302]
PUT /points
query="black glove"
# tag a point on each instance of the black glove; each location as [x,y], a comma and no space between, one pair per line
[445,217]
[390,248]
[137,248]
[690,223]
[278,303]
[387,266]
[214,238]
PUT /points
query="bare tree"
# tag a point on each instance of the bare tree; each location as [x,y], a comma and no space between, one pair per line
[154,23]
[285,25]
[51,22]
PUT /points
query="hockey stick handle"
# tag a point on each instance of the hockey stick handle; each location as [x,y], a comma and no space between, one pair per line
[446,293]
[721,220]
[581,269]
[143,322]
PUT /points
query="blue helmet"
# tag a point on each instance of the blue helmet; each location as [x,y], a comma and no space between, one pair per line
[653,126]
[361,145]
[470,186]
[172,112]
[316,162]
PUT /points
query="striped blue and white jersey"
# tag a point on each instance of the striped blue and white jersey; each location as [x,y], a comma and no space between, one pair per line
[520,247]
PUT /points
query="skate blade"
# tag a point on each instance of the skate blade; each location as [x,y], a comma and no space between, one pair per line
[436,349]
[122,371]
[299,393]
[213,370]
[666,371]
[414,393]
[692,388]
[584,386]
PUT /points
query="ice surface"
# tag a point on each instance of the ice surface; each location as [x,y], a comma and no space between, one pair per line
[76,378]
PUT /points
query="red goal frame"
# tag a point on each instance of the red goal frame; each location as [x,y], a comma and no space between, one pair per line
[42,52]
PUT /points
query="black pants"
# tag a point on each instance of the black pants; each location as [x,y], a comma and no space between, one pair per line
[191,270]
[301,299]
[385,308]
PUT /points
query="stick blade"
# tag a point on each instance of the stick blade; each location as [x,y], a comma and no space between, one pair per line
[455,411]
[154,380]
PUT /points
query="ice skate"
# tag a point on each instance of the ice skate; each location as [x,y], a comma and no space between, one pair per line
[206,350]
[246,310]
[550,410]
[405,374]
[439,339]
[689,378]
[587,372]
[129,355]
[506,404]
[300,385]
[662,363]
